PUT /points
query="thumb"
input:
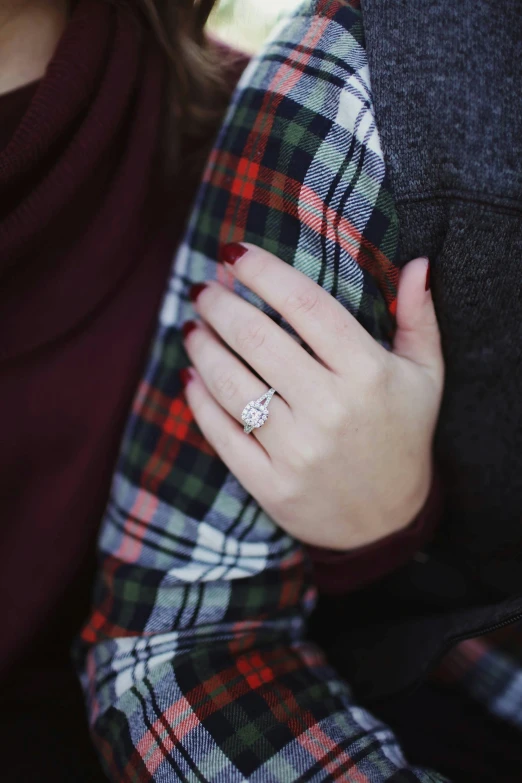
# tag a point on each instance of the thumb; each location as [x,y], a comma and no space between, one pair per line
[417,337]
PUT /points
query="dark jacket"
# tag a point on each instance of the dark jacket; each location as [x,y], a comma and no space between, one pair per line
[446,82]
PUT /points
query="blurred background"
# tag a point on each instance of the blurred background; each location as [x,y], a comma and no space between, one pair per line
[246,23]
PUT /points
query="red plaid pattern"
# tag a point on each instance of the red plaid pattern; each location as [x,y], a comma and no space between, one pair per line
[195,662]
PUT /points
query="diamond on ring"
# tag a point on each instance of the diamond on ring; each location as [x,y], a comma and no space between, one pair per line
[256,412]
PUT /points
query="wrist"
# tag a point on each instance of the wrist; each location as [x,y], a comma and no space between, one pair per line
[412,503]
[389,514]
[337,572]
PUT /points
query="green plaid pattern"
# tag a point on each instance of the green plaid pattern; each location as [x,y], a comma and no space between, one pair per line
[195,661]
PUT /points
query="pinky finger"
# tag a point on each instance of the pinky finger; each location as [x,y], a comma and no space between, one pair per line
[243,455]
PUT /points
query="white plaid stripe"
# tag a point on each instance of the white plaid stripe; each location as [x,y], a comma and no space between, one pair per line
[201,564]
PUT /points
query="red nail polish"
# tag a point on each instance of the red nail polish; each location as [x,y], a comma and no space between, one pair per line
[231,253]
[195,291]
[428,276]
[188,327]
[185,376]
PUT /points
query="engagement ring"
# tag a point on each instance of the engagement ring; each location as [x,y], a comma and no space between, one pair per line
[256,412]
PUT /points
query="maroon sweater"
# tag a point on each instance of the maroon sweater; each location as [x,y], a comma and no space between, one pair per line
[85,245]
[86,239]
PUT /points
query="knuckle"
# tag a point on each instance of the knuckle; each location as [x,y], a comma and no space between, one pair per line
[303,300]
[225,384]
[377,374]
[289,492]
[431,323]
[335,415]
[333,409]
[305,457]
[250,335]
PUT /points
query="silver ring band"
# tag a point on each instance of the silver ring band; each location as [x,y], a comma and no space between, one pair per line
[256,412]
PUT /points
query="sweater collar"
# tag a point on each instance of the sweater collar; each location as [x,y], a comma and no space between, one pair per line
[75,175]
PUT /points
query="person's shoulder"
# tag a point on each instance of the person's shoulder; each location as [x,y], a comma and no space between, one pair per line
[233,61]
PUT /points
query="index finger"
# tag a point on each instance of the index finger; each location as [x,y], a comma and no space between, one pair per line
[319,319]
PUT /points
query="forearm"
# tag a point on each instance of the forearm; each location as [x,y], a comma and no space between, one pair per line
[195,661]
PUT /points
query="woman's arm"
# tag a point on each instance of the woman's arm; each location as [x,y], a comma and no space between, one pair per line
[344,458]
[195,661]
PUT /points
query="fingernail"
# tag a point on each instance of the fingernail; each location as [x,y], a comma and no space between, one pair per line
[231,253]
[188,327]
[428,276]
[195,291]
[185,376]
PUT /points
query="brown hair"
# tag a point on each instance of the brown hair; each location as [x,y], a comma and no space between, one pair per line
[198,92]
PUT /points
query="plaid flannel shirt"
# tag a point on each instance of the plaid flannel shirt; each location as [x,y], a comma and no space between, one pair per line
[195,661]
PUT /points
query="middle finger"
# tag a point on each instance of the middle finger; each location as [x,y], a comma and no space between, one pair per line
[264,345]
[231,383]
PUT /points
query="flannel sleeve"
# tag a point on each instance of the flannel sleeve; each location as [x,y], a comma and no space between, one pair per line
[488,670]
[196,665]
[195,660]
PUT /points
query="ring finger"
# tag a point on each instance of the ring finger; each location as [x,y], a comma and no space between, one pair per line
[231,383]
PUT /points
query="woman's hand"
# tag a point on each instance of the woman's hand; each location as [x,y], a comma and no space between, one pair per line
[344,458]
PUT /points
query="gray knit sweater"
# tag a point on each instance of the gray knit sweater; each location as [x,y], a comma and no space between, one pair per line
[447,83]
